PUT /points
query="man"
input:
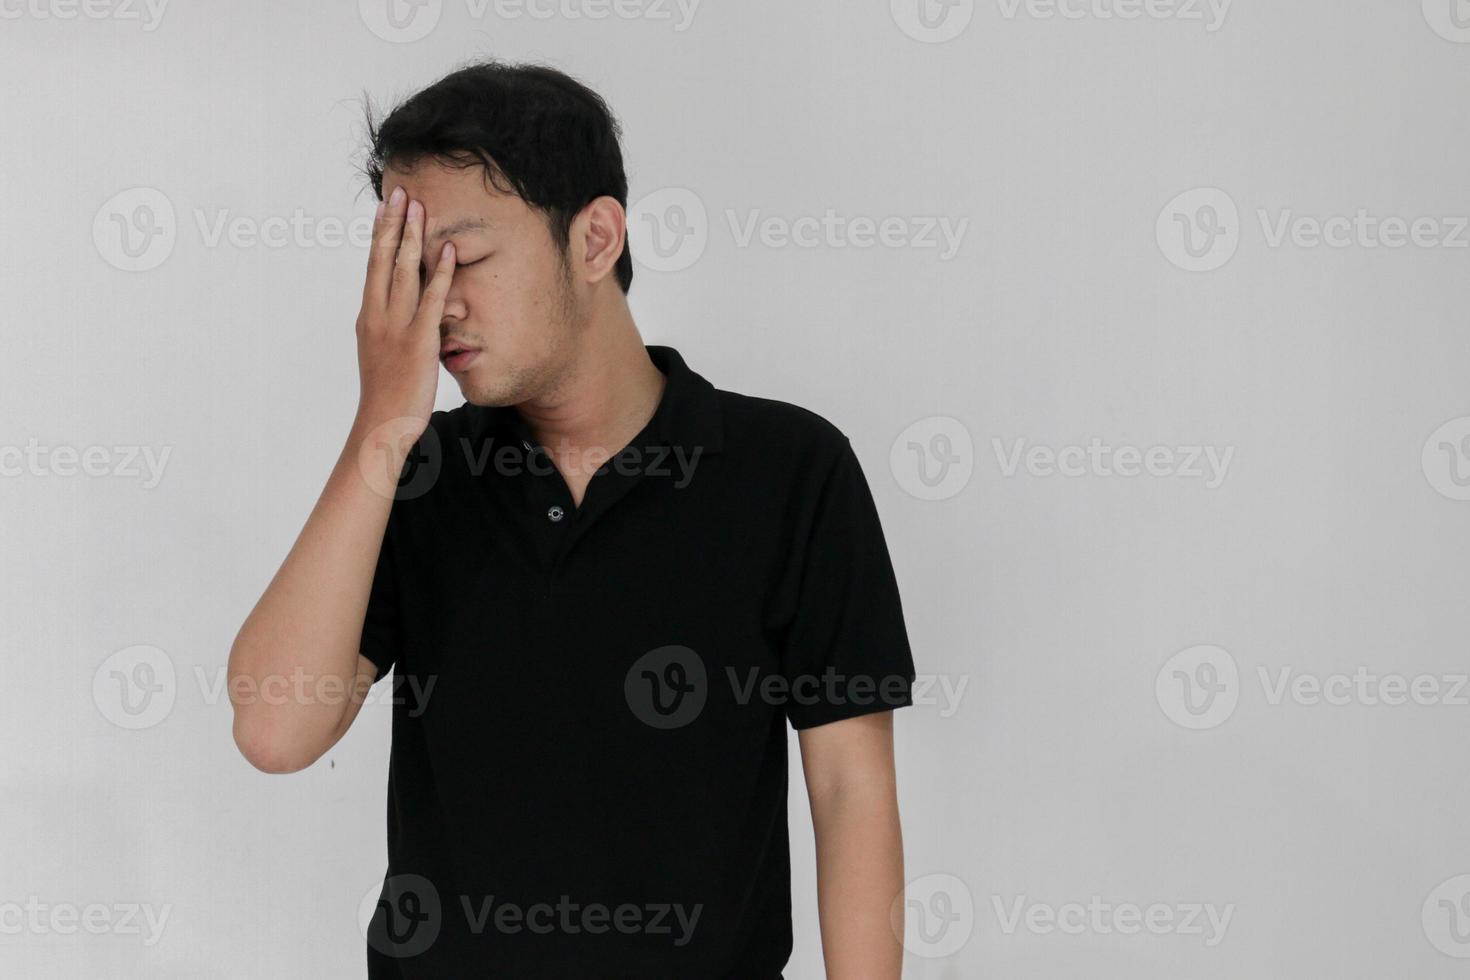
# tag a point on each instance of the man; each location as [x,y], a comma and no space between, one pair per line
[604,585]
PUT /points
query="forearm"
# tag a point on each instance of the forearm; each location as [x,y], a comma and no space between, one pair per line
[859,876]
[293,668]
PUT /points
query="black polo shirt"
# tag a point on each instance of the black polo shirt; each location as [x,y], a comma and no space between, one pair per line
[588,773]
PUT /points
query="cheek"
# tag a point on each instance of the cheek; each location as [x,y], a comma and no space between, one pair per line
[531,292]
[514,298]
[486,294]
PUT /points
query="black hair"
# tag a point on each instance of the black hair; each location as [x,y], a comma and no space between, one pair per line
[537,132]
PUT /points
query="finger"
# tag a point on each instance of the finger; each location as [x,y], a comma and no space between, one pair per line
[403,295]
[431,304]
[387,228]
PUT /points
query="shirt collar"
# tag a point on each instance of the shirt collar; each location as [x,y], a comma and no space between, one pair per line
[687,417]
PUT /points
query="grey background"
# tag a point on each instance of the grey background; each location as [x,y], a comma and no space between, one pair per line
[1068,770]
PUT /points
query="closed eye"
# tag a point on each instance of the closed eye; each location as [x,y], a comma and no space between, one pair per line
[424,272]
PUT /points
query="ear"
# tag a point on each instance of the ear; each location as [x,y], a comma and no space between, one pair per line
[598,234]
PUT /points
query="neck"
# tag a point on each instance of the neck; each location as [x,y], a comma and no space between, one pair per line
[606,395]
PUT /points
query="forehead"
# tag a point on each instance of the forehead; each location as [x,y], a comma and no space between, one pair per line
[455,196]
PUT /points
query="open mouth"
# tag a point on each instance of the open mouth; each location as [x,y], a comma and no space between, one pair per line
[456,356]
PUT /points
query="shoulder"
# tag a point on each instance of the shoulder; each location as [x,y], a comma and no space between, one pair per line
[452,423]
[451,437]
[768,425]
[443,454]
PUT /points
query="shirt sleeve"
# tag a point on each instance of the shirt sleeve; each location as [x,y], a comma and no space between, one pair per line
[381,627]
[846,651]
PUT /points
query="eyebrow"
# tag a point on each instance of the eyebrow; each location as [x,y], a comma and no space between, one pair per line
[455,227]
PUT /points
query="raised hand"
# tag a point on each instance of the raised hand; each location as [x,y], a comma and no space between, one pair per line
[398,326]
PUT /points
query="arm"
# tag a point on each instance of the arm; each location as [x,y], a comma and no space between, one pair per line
[851,783]
[308,623]
[300,626]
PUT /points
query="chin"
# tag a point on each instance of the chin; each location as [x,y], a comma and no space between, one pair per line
[488,394]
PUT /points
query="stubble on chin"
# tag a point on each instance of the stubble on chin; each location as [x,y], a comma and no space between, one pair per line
[499,392]
[512,384]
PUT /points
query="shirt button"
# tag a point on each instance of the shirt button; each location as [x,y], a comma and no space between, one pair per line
[555,513]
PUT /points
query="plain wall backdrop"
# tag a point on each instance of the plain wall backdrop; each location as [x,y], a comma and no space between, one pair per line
[1147,319]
